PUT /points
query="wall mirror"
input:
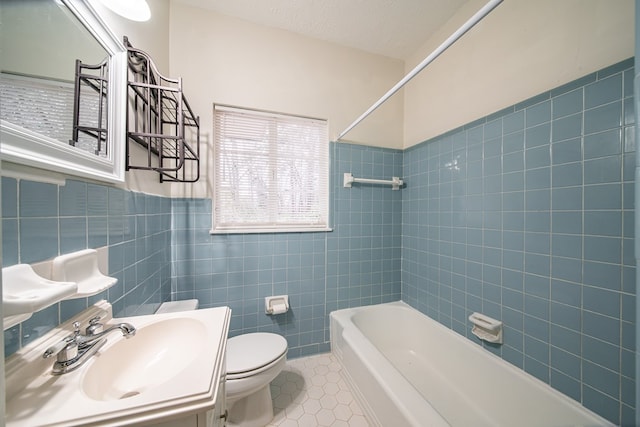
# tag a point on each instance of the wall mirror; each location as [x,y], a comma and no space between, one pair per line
[62,89]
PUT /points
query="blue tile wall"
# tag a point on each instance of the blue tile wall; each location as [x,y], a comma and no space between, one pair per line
[161,249]
[364,251]
[41,221]
[527,216]
[358,263]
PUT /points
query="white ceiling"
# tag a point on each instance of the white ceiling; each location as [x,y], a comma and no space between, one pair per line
[394,28]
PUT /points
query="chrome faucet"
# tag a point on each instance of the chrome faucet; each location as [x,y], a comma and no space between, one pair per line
[76,348]
[94,332]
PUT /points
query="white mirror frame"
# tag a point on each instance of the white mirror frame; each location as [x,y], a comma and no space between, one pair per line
[19,145]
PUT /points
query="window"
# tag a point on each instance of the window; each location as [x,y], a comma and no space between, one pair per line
[271,172]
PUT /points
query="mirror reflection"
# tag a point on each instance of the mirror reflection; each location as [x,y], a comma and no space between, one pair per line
[47,57]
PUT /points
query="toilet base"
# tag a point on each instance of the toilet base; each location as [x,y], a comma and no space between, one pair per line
[255,410]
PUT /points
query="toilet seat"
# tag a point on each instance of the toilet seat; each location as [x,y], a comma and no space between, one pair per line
[250,354]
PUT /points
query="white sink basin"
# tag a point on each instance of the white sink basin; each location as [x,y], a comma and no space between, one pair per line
[169,369]
[155,354]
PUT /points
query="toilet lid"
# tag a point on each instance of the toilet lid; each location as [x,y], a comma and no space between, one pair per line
[248,352]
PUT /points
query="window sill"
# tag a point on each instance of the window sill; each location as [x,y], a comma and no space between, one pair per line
[271,230]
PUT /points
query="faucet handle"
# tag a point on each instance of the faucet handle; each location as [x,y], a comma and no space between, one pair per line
[95,327]
[65,350]
[67,343]
[56,348]
[64,343]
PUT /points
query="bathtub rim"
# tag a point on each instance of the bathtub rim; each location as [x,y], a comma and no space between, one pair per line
[343,317]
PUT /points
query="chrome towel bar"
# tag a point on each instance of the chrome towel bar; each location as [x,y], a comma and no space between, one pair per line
[395,181]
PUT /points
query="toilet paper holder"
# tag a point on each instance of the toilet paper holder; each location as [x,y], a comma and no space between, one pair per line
[277,304]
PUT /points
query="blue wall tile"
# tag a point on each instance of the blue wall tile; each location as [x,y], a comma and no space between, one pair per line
[9,197]
[606,405]
[537,114]
[38,239]
[568,269]
[565,384]
[563,246]
[603,223]
[567,127]
[603,170]
[73,199]
[567,199]
[39,324]
[567,175]
[601,379]
[566,316]
[603,91]
[568,103]
[603,118]
[604,196]
[567,151]
[537,136]
[73,234]
[566,293]
[54,220]
[38,199]
[10,244]
[97,200]
[603,144]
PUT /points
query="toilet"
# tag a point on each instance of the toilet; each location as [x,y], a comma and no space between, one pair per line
[253,361]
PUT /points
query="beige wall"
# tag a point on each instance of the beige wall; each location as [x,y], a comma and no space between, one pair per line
[151,36]
[521,49]
[230,61]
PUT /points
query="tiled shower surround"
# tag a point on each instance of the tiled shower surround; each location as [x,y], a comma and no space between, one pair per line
[525,215]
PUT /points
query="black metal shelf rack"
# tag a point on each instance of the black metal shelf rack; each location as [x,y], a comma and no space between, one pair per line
[90,124]
[160,120]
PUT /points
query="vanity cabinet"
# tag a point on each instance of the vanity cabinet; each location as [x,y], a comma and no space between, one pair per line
[217,417]
[219,413]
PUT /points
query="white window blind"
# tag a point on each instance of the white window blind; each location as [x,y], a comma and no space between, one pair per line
[271,172]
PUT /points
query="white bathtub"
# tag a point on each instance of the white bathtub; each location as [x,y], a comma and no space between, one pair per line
[409,370]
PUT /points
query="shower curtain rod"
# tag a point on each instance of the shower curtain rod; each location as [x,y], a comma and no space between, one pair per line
[492,4]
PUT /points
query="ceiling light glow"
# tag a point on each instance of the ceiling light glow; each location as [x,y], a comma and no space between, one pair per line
[135,10]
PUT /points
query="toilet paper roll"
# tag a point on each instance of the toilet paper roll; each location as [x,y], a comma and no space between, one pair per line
[278,308]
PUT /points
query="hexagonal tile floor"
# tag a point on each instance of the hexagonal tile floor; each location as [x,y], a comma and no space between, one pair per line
[310,391]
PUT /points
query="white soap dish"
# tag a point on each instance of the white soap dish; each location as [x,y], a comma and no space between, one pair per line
[82,267]
[486,328]
[23,291]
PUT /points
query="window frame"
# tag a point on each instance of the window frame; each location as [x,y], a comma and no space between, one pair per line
[274,226]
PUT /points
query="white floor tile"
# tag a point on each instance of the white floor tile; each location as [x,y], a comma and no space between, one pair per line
[311,392]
